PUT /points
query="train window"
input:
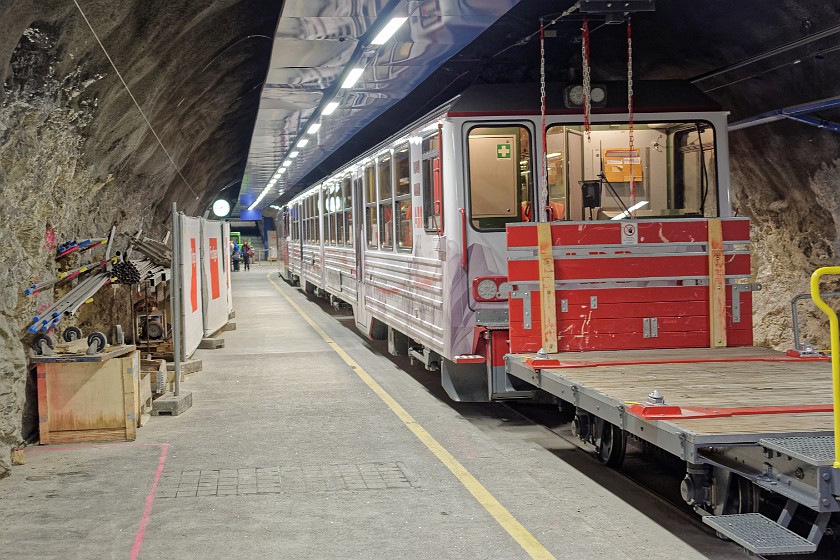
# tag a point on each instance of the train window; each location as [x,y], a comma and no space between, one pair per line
[386,203]
[371,229]
[669,170]
[402,199]
[432,186]
[500,176]
[403,169]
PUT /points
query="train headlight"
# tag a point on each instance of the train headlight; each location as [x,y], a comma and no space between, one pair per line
[491,288]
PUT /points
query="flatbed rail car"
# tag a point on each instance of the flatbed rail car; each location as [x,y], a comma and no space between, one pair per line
[652,340]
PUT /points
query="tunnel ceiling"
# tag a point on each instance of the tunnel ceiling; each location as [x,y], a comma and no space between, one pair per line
[681,39]
[315,46]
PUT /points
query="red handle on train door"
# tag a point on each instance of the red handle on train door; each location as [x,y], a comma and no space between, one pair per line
[463,238]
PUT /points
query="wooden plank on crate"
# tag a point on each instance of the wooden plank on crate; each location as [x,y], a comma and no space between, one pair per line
[717,286]
[110,352]
[131,380]
[548,316]
[43,407]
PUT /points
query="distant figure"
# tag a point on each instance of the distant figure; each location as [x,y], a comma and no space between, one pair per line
[247,254]
[235,256]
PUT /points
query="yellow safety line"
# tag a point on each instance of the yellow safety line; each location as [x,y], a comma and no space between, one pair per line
[526,540]
[835,350]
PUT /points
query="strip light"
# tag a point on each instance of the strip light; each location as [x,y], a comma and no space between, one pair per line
[259,198]
[330,108]
[293,155]
[303,142]
[631,209]
[388,31]
[352,77]
[313,128]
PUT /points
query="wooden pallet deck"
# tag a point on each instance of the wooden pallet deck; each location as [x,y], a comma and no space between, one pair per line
[710,378]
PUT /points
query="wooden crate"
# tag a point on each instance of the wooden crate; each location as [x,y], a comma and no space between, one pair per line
[90,398]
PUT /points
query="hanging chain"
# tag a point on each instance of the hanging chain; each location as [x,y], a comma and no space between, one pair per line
[544,165]
[630,120]
[587,83]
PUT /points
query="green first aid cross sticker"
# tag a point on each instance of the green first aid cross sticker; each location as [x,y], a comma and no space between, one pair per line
[502,151]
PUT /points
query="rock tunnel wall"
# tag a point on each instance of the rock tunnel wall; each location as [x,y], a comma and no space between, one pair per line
[76,155]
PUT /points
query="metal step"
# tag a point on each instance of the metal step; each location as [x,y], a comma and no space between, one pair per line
[758,534]
[815,450]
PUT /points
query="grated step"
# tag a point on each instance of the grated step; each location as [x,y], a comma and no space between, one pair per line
[814,450]
[759,534]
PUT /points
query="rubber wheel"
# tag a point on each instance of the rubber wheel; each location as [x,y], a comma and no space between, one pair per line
[42,338]
[97,340]
[71,333]
[612,445]
[154,330]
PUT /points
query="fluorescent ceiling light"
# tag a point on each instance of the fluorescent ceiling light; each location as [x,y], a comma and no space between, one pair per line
[294,154]
[287,163]
[388,31]
[280,171]
[431,127]
[259,198]
[303,142]
[275,207]
[352,77]
[330,108]
[631,209]
[314,128]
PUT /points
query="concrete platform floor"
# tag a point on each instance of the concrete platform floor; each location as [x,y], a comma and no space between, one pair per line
[287,453]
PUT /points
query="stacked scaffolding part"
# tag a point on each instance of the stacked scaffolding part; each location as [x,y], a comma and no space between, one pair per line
[155,251]
[68,305]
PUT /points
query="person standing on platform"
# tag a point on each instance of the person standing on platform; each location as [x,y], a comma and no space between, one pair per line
[235,257]
[247,254]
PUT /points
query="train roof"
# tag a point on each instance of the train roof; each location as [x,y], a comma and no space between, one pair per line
[524,99]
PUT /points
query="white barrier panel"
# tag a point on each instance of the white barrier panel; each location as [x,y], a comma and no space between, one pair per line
[226,238]
[213,277]
[193,324]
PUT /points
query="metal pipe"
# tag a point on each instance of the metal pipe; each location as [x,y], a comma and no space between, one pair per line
[767,54]
[789,113]
[175,297]
[835,350]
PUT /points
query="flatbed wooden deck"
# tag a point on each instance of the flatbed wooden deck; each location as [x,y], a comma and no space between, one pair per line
[702,379]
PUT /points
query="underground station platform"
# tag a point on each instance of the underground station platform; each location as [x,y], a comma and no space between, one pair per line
[304,441]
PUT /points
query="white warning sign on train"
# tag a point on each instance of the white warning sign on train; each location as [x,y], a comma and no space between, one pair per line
[629,234]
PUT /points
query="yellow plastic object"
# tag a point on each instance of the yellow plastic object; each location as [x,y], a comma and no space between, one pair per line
[835,349]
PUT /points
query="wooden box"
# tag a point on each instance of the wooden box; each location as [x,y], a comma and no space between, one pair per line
[88,398]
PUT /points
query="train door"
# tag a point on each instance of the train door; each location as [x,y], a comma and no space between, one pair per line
[359,244]
[283,237]
[498,170]
[499,190]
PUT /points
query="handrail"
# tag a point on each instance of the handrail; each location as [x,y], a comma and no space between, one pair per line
[794,313]
[463,238]
[835,349]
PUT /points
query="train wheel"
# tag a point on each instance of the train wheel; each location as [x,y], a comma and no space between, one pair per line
[743,496]
[612,445]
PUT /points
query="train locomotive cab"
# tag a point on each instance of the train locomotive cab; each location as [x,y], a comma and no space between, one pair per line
[670,163]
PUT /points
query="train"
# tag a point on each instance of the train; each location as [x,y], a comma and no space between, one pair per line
[591,257]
